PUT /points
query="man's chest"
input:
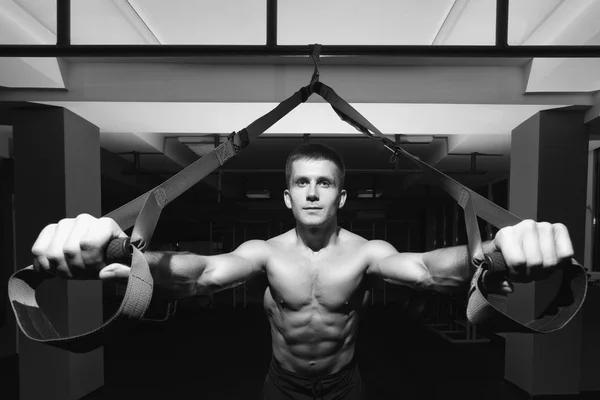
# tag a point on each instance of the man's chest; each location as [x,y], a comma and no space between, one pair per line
[333,281]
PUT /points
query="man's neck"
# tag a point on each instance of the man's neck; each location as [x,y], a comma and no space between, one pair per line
[317,238]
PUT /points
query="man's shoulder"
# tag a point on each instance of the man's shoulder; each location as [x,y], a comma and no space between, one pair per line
[376,249]
[282,239]
[254,246]
[350,238]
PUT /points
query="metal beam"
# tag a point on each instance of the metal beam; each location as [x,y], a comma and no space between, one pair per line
[178,51]
[63,22]
[501,23]
[271,23]
[90,81]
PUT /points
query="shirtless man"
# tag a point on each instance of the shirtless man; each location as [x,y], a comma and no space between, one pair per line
[317,274]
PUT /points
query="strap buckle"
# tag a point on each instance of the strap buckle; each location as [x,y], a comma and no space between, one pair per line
[315,51]
[239,139]
[393,147]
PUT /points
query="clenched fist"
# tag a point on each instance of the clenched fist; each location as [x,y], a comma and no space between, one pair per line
[533,250]
[75,249]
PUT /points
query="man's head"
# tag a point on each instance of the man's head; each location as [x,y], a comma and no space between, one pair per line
[316,151]
[315,179]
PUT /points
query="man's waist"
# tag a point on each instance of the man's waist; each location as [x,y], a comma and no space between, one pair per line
[311,370]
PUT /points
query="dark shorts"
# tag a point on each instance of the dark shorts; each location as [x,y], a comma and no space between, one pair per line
[345,384]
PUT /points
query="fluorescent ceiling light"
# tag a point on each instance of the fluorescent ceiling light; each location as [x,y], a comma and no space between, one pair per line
[368,194]
[258,194]
[416,139]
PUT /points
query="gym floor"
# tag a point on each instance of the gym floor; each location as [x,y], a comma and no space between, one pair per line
[224,352]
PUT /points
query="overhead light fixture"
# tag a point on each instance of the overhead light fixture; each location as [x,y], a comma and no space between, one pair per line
[368,194]
[201,145]
[258,194]
[415,139]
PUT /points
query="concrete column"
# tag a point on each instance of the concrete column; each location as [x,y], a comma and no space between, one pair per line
[57,175]
[8,326]
[548,175]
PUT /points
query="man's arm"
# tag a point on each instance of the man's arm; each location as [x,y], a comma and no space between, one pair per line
[74,248]
[178,275]
[445,270]
[531,250]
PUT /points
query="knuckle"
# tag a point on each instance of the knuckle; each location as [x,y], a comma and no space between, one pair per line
[560,227]
[546,226]
[47,231]
[54,257]
[50,227]
[91,254]
[88,245]
[529,224]
[65,222]
[83,217]
[105,221]
[502,233]
[37,250]
[70,252]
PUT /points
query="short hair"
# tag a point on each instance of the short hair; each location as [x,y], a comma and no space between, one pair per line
[315,151]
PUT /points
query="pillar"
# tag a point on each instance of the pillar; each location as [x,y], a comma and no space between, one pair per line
[8,326]
[548,173]
[57,175]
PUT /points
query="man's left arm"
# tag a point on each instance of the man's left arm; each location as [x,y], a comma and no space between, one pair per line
[532,251]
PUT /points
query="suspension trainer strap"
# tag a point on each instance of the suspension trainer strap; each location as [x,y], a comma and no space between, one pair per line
[144,212]
[573,286]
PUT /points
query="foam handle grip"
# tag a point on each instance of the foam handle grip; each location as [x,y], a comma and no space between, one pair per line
[118,251]
[495,264]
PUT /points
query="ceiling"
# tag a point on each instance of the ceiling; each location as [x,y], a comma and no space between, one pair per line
[449,108]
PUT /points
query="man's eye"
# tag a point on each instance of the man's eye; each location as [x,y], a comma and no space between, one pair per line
[301,182]
[325,183]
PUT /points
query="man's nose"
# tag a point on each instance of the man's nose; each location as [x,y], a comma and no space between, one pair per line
[312,194]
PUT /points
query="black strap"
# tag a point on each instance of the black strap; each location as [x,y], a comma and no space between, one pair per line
[145,212]
[480,311]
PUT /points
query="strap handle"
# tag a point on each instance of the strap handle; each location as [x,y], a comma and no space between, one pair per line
[480,311]
[144,211]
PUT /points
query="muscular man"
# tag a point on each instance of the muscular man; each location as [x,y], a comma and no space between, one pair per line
[316,274]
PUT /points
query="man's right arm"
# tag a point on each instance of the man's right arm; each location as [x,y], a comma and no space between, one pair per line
[178,275]
[74,248]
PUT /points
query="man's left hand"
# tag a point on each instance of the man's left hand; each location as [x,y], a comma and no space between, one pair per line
[532,250]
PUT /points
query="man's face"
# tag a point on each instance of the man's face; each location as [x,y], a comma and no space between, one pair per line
[314,194]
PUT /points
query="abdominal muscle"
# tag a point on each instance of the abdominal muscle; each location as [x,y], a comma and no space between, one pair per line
[312,341]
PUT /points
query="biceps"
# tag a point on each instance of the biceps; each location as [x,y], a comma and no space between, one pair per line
[402,269]
[224,272]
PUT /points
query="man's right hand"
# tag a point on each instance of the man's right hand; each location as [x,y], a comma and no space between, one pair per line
[75,249]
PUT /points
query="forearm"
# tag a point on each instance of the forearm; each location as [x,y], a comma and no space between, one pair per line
[175,274]
[449,270]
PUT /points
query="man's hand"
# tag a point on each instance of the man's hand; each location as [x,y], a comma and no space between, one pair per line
[74,249]
[532,251]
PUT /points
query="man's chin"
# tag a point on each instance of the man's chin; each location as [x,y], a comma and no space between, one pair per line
[314,223]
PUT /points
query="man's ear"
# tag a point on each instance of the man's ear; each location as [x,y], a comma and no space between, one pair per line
[343,196]
[287,198]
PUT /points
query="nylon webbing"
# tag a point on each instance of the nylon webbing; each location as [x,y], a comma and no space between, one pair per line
[480,311]
[144,211]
